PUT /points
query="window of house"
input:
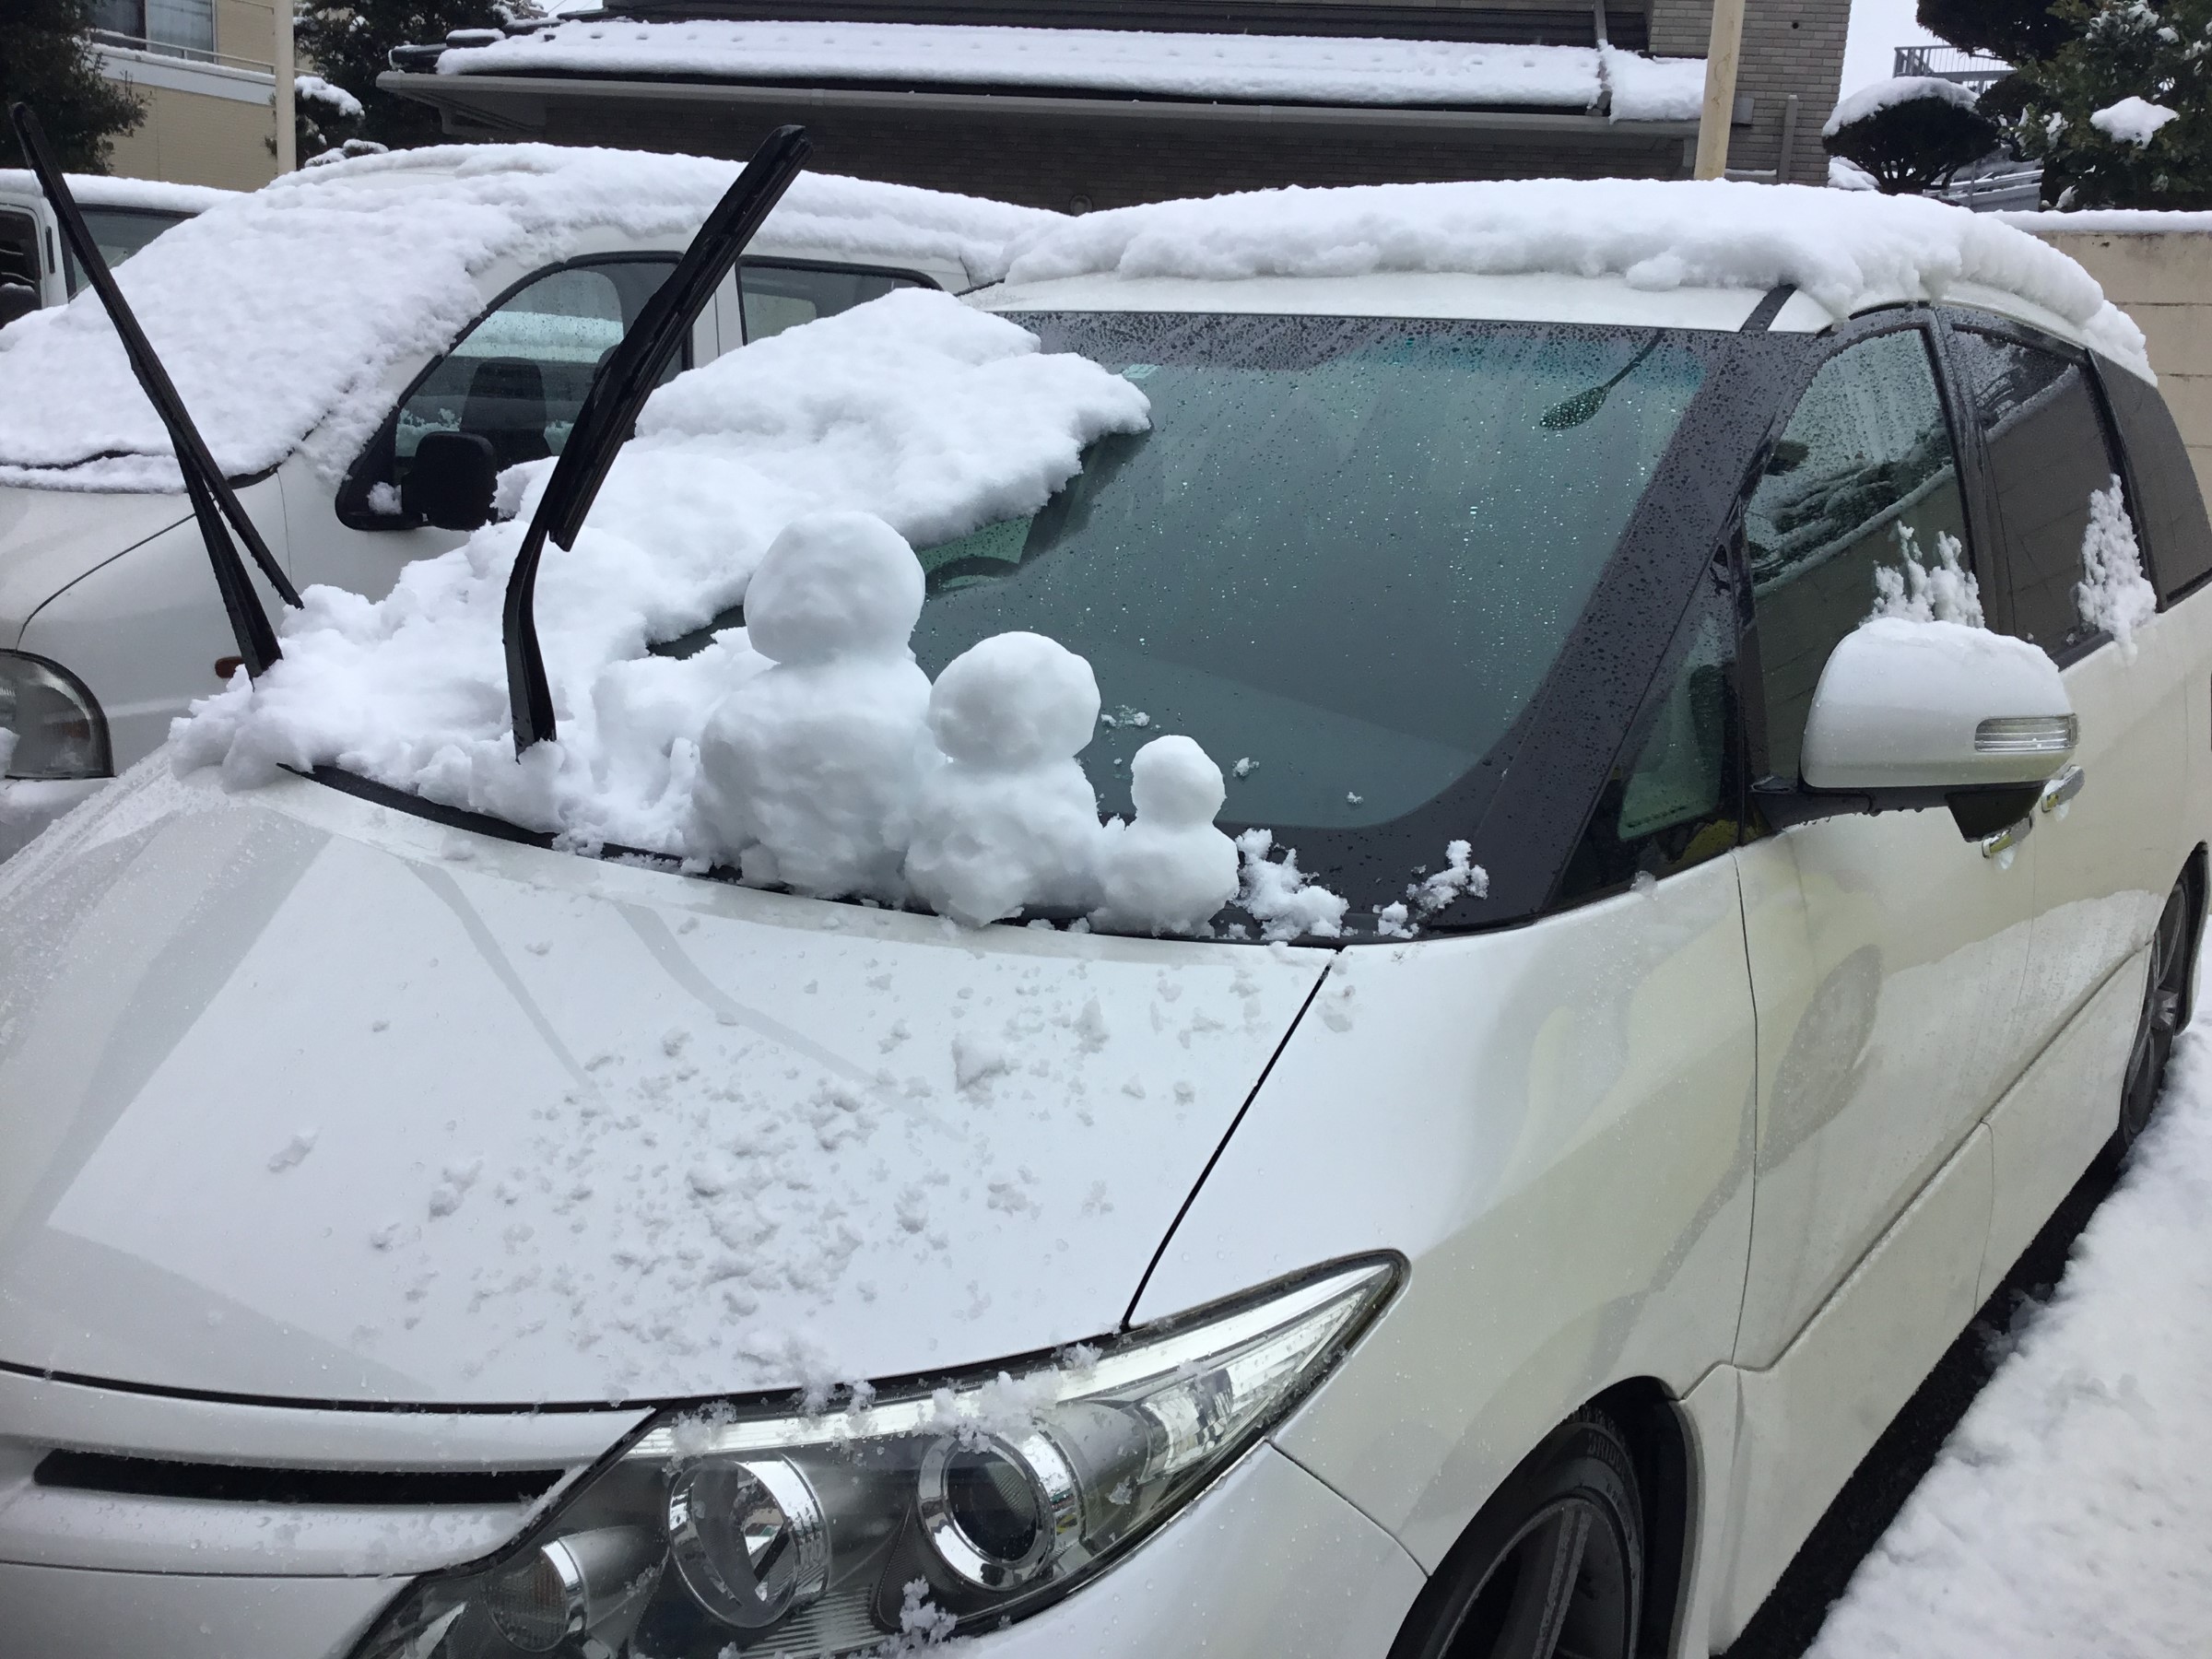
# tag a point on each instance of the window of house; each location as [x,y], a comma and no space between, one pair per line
[1865,476]
[2048,453]
[188,25]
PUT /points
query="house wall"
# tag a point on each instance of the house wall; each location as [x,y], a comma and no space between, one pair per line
[206,123]
[2162,279]
[1791,47]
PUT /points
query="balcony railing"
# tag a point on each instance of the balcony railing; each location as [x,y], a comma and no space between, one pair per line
[193,54]
[1952,64]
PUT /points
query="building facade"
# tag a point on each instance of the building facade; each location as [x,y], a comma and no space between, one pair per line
[1153,99]
[205,74]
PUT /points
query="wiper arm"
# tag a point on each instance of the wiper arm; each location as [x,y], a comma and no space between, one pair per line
[618,392]
[213,499]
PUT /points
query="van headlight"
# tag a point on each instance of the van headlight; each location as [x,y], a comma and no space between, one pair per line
[739,1530]
[50,726]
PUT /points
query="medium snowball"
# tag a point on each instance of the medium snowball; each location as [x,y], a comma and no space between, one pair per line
[1170,870]
[816,762]
[1009,821]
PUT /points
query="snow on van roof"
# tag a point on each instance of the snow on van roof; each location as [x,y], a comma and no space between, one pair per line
[1846,250]
[1285,69]
[281,314]
[97,190]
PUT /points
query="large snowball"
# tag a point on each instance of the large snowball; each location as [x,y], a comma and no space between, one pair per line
[834,584]
[1013,699]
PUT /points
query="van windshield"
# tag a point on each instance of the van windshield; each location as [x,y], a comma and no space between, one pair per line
[1343,559]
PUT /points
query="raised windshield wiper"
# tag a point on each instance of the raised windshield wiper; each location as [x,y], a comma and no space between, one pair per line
[212,498]
[610,408]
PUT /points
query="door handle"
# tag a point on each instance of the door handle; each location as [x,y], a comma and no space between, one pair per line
[2006,839]
[2063,787]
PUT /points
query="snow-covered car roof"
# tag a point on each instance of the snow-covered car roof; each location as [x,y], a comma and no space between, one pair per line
[1846,251]
[1277,68]
[95,190]
[281,314]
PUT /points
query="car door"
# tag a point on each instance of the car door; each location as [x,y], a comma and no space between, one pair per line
[516,378]
[1887,950]
[2111,844]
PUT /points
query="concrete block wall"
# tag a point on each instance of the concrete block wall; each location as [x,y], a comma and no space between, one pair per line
[2162,279]
[1790,46]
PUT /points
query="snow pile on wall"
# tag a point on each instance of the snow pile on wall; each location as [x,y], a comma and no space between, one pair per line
[281,315]
[1280,68]
[2110,221]
[1877,96]
[2132,120]
[98,190]
[2068,1514]
[1846,250]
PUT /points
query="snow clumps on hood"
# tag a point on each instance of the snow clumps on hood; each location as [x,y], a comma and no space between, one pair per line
[284,315]
[1845,250]
[935,417]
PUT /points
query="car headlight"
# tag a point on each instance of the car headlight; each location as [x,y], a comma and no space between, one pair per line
[734,1530]
[50,726]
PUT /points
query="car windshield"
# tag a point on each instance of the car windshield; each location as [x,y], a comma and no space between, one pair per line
[1342,559]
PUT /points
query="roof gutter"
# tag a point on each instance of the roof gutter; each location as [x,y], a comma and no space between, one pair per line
[516,103]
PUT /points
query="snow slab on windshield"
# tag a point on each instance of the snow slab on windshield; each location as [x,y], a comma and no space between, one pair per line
[2068,1513]
[1847,249]
[281,314]
[933,416]
[1287,68]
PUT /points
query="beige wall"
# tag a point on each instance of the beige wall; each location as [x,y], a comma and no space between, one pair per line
[2162,279]
[206,123]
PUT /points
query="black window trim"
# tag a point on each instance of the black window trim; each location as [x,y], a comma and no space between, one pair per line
[2101,371]
[351,502]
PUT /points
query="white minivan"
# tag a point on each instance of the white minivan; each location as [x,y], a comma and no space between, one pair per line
[124,214]
[317,329]
[1736,658]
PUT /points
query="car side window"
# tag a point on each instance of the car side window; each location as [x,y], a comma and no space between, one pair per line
[516,378]
[2048,454]
[2178,539]
[779,295]
[1865,479]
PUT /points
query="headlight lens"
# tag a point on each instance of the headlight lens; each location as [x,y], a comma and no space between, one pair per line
[735,1531]
[49,726]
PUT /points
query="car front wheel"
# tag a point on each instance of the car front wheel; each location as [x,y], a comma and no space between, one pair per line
[1553,1566]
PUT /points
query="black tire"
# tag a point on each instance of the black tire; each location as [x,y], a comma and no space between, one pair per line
[1553,1566]
[2165,1003]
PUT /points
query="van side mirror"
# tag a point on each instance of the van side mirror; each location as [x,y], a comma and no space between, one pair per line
[17,300]
[1908,713]
[451,481]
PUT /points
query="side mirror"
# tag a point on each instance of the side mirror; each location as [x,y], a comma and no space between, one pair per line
[451,481]
[1917,712]
[17,300]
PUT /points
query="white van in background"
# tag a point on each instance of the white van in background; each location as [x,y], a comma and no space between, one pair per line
[319,330]
[124,214]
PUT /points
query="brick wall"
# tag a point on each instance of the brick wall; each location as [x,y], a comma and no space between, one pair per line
[1790,46]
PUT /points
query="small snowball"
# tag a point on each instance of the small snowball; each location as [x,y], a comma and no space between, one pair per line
[1170,870]
[1009,821]
[1280,896]
[808,771]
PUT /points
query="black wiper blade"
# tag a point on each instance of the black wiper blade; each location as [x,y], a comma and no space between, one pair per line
[610,408]
[213,499]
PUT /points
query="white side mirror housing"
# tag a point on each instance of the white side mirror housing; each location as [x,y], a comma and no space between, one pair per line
[1936,705]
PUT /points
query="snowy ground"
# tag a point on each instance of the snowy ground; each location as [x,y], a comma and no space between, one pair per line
[2070,1511]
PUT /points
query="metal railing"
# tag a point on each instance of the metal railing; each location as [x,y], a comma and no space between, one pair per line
[219,60]
[1952,64]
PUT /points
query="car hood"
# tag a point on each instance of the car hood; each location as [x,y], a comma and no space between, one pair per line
[50,537]
[311,1099]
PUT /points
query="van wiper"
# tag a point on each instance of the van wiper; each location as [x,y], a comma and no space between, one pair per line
[610,408]
[212,498]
